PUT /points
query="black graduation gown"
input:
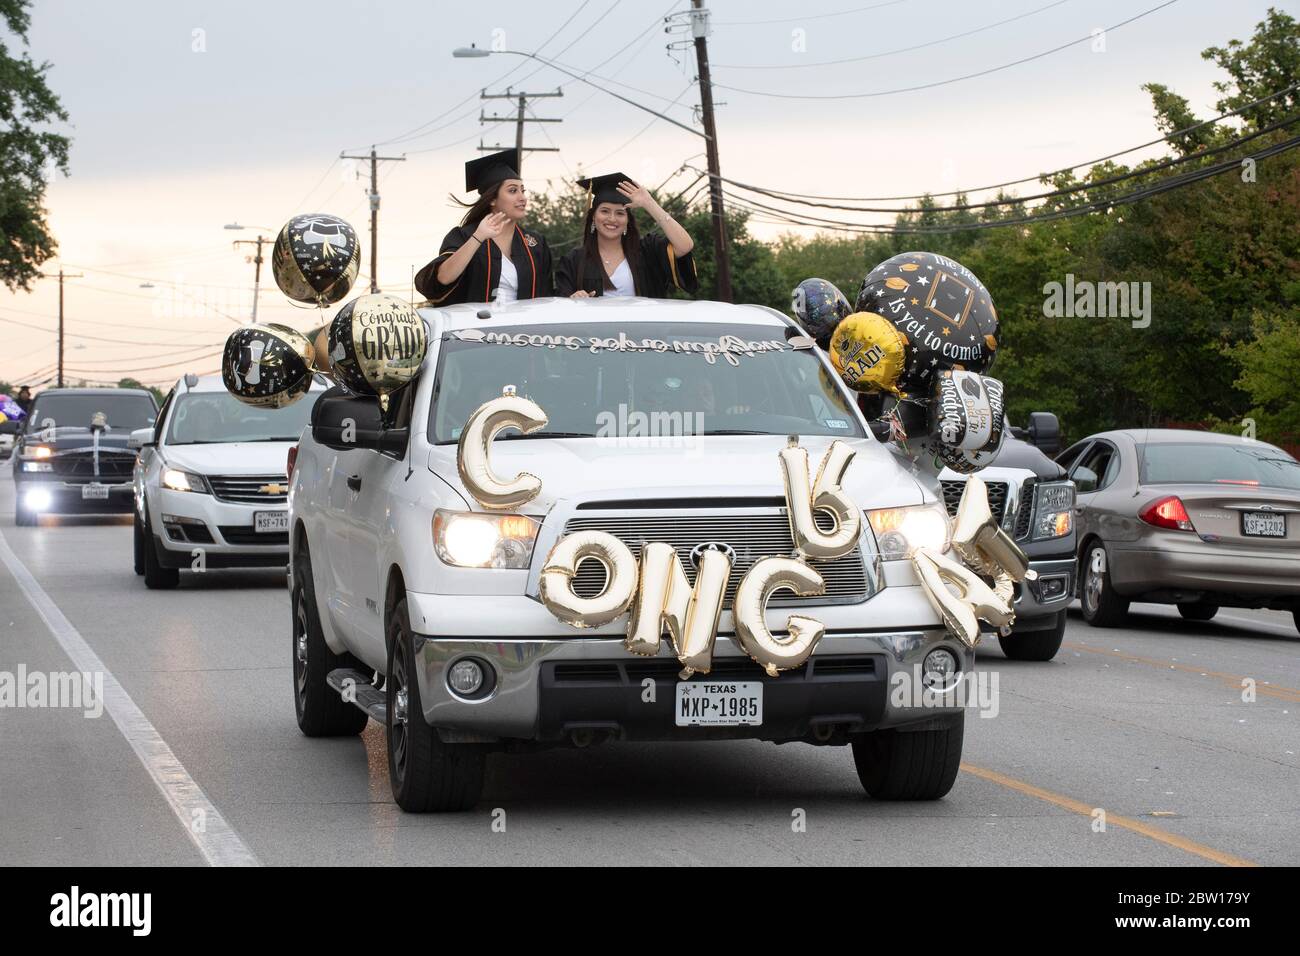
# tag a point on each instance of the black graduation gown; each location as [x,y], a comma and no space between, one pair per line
[529,253]
[659,270]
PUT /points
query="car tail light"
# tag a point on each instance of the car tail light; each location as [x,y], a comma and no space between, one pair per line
[293,460]
[1167,512]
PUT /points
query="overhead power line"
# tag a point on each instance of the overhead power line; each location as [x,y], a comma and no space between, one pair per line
[816,16]
[885,53]
[954,79]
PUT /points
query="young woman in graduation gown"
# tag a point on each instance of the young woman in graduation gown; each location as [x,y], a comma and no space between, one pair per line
[490,256]
[614,259]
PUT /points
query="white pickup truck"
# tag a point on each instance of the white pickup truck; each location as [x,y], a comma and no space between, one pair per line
[416,606]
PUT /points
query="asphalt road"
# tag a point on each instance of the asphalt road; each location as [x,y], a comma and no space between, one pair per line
[1146,722]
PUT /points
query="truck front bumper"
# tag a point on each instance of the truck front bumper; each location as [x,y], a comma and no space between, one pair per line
[1038,602]
[558,689]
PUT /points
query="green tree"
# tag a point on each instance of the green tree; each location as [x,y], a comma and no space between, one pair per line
[26,150]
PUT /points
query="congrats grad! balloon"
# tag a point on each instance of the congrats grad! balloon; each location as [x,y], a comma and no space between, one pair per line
[316,259]
[376,344]
[942,308]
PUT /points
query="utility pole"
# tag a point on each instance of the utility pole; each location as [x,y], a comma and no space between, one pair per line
[519,120]
[374,209]
[257,266]
[61,276]
[721,252]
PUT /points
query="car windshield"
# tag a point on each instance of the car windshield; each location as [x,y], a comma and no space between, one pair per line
[1246,464]
[125,412]
[646,379]
[200,418]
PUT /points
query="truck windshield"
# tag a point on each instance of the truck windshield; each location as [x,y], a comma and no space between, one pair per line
[124,412]
[201,418]
[645,379]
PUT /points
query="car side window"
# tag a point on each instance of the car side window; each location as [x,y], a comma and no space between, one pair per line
[1089,473]
[160,425]
[1071,455]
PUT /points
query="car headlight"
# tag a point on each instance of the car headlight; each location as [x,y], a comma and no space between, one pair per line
[37,452]
[178,480]
[1053,510]
[466,539]
[900,531]
[30,466]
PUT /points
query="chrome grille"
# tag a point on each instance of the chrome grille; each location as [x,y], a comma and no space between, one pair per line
[752,536]
[953,488]
[244,488]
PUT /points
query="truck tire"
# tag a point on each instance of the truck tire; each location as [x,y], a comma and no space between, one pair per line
[320,710]
[426,775]
[1102,607]
[915,765]
[1198,611]
[156,577]
[1034,645]
[138,542]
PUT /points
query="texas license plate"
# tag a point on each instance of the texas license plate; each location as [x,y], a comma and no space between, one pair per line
[94,492]
[719,704]
[269,522]
[1262,524]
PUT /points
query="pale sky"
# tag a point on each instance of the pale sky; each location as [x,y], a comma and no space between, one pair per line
[189,115]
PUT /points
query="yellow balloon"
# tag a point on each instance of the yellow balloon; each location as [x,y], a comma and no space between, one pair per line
[869,353]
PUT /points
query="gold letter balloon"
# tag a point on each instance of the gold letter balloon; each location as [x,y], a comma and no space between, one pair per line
[473,461]
[666,600]
[826,495]
[562,564]
[767,576]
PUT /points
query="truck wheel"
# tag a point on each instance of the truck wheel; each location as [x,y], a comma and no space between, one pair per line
[321,711]
[1198,611]
[1102,607]
[425,774]
[920,765]
[156,577]
[24,517]
[138,541]
[1035,645]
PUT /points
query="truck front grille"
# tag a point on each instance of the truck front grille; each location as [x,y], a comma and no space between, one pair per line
[751,536]
[81,464]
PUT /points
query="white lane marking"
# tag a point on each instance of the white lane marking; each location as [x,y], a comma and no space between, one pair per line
[218,841]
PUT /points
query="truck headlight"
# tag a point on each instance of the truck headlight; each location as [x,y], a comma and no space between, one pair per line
[178,480]
[1053,510]
[469,539]
[900,531]
[38,452]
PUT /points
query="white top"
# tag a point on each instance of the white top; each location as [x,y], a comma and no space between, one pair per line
[622,279]
[508,290]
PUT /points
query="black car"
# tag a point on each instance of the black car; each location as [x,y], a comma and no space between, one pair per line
[72,454]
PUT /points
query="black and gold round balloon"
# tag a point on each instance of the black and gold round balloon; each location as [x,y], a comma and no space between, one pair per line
[943,309]
[268,366]
[316,259]
[377,344]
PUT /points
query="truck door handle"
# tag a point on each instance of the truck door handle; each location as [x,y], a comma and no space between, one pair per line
[354,482]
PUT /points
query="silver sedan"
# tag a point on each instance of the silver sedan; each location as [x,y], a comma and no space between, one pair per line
[1190,518]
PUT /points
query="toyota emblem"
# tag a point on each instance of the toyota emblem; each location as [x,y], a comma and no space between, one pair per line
[697,552]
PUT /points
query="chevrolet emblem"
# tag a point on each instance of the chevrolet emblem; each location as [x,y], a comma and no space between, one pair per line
[273,489]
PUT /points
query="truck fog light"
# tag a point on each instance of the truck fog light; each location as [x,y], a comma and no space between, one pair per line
[38,499]
[465,677]
[1051,588]
[939,671]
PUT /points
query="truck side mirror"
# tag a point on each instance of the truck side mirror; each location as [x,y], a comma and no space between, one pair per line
[1044,432]
[343,421]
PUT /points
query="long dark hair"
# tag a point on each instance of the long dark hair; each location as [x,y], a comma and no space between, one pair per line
[476,210]
[591,247]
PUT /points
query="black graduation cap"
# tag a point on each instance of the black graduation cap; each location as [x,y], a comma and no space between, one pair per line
[494,168]
[604,189]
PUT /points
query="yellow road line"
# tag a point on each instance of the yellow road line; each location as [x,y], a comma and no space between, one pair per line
[1268,690]
[1112,819]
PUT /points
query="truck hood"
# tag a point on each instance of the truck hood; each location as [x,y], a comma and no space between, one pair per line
[233,458]
[723,466]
